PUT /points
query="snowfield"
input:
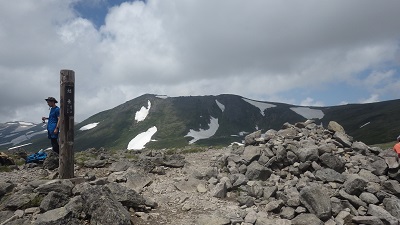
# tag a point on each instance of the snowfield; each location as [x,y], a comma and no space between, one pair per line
[142,139]
[261,105]
[203,134]
[220,105]
[308,113]
[89,126]
[143,112]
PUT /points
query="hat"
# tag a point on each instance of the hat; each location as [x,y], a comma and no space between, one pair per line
[51,99]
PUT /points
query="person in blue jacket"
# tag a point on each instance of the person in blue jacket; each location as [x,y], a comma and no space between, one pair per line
[53,123]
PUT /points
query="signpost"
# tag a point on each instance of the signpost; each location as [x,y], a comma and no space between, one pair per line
[67,111]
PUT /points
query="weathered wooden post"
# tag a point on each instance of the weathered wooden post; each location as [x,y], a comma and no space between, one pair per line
[67,111]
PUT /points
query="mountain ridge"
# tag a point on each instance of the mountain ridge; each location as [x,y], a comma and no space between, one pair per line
[177,118]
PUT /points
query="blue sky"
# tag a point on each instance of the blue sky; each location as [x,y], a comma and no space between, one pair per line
[309,53]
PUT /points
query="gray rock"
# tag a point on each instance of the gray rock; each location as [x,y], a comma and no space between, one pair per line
[288,213]
[245,200]
[212,220]
[315,199]
[251,138]
[255,171]
[119,166]
[52,201]
[52,161]
[264,219]
[5,215]
[392,162]
[19,200]
[329,175]
[355,185]
[251,153]
[333,161]
[359,147]
[382,214]
[335,127]
[343,139]
[306,219]
[103,208]
[274,206]
[255,190]
[392,187]
[340,205]
[251,217]
[238,180]
[368,220]
[137,181]
[93,163]
[291,157]
[309,153]
[353,199]
[59,186]
[326,148]
[219,191]
[57,216]
[369,198]
[75,206]
[5,188]
[369,176]
[270,191]
[392,205]
[380,167]
[128,197]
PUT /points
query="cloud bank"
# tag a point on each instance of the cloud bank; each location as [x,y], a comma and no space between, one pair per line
[271,50]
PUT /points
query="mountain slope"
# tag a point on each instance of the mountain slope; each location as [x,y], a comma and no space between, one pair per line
[219,120]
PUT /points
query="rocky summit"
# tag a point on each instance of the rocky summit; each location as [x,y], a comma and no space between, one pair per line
[301,174]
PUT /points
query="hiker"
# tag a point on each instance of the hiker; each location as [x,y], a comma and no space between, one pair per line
[53,123]
[396,147]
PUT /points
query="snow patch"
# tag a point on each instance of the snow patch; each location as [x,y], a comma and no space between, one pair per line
[220,105]
[365,125]
[26,124]
[203,134]
[261,105]
[89,126]
[142,139]
[308,113]
[143,112]
[236,143]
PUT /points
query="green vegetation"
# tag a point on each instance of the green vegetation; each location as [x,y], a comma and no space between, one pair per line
[5,169]
[385,146]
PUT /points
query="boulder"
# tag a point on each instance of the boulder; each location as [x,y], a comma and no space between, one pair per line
[60,186]
[335,127]
[255,171]
[103,207]
[250,139]
[52,161]
[343,139]
[309,153]
[315,199]
[128,197]
[355,185]
[329,175]
[306,219]
[52,201]
[392,205]
[382,214]
[56,216]
[333,161]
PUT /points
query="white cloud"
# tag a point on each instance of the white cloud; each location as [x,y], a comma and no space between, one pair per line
[372,98]
[180,47]
[311,102]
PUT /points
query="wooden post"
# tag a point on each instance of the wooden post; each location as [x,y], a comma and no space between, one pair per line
[67,111]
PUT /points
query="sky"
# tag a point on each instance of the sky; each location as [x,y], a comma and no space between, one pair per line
[308,53]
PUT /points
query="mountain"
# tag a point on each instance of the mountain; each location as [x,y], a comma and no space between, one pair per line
[157,121]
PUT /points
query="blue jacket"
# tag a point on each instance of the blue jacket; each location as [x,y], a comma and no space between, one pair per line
[52,122]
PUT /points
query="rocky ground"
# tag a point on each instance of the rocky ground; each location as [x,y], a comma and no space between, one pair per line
[301,174]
